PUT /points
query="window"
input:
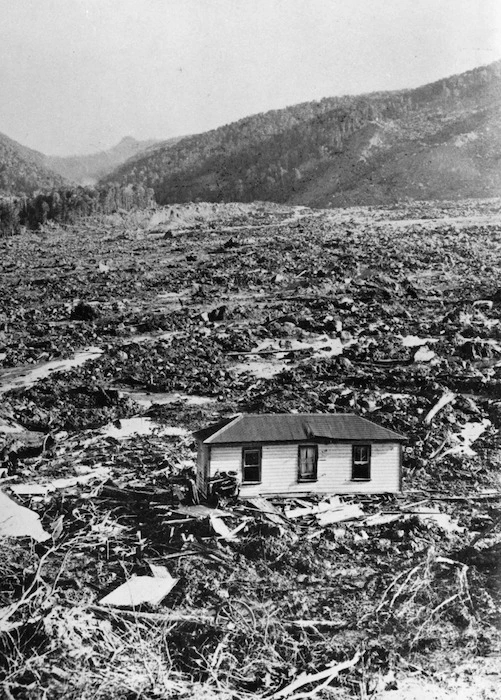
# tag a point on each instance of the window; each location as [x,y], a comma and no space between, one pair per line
[251,465]
[361,465]
[308,458]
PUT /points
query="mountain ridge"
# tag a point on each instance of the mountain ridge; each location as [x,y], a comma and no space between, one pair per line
[89,168]
[23,170]
[373,148]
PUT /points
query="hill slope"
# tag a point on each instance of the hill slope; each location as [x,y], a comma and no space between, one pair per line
[23,170]
[442,140]
[87,169]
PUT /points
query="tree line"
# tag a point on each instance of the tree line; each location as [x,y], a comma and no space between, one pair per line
[265,157]
[276,155]
[67,205]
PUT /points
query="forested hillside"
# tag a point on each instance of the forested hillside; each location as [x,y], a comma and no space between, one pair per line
[22,170]
[87,169]
[442,140]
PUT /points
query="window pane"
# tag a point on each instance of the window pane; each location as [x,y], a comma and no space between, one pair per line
[307,461]
[361,471]
[361,467]
[251,465]
[252,474]
[360,453]
[251,458]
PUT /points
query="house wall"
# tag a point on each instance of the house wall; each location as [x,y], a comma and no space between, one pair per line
[203,467]
[279,468]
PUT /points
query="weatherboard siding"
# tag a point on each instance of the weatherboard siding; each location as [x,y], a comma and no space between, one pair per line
[225,459]
[279,469]
[203,459]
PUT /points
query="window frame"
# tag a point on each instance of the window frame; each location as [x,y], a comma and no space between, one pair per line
[367,462]
[259,450]
[301,477]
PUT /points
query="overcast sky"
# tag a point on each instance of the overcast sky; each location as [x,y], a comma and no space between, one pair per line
[78,75]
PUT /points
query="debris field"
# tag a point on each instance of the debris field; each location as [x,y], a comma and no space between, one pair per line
[121,335]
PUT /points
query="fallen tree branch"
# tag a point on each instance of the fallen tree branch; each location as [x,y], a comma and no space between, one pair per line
[318,624]
[153,618]
[435,610]
[408,575]
[304,679]
[200,618]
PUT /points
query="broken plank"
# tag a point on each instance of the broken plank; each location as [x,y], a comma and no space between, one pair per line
[268,509]
[223,530]
[126,494]
[201,511]
[251,353]
[18,521]
[140,589]
[446,398]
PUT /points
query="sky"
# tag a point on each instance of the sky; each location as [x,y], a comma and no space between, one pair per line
[76,76]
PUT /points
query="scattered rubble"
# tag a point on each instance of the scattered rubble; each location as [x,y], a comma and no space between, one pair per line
[200,313]
[101,474]
[327,512]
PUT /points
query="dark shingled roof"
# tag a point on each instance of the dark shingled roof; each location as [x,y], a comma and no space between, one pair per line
[294,427]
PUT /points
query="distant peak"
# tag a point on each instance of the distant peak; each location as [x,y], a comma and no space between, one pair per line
[127,140]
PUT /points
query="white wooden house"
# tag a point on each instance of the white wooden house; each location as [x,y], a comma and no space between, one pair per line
[301,453]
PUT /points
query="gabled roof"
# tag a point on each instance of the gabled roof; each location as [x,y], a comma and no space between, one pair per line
[295,427]
[208,432]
